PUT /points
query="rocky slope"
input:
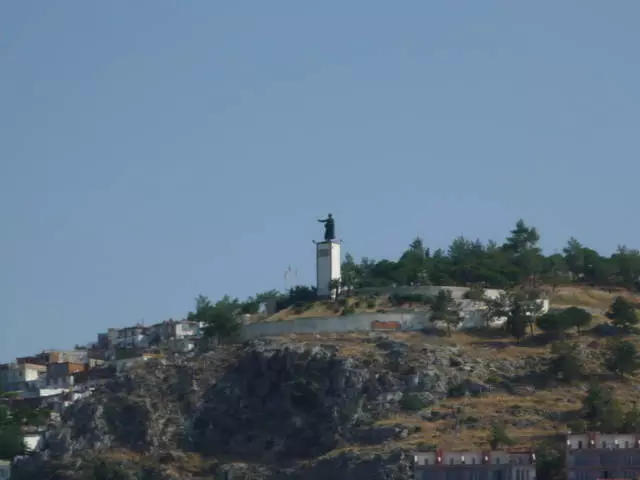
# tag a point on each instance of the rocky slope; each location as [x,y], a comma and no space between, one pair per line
[298,408]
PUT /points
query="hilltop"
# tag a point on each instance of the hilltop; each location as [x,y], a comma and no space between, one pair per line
[357,405]
[308,406]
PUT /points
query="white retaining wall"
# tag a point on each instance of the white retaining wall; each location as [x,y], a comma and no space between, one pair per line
[472,313]
[358,322]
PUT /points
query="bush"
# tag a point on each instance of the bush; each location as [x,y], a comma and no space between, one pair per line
[399,299]
[348,310]
[412,402]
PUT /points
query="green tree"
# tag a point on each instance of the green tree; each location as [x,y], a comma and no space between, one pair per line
[517,319]
[334,288]
[601,410]
[522,245]
[622,313]
[554,323]
[574,258]
[476,292]
[219,319]
[350,274]
[577,318]
[622,357]
[550,461]
[566,364]
[626,262]
[593,404]
[496,308]
[413,263]
[632,419]
[445,309]
[531,299]
[499,437]
[11,440]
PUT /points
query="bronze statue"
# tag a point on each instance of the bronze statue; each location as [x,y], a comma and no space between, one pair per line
[329,228]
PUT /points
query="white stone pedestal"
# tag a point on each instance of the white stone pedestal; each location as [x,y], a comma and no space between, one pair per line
[328,265]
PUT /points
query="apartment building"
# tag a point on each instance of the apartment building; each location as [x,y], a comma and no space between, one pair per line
[131,337]
[68,356]
[593,456]
[17,376]
[61,374]
[512,464]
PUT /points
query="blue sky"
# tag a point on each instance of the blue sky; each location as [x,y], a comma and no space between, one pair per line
[154,150]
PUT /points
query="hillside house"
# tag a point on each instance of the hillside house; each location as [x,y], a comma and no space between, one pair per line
[94,377]
[61,374]
[513,464]
[173,330]
[593,455]
[131,337]
[68,356]
[18,376]
[121,365]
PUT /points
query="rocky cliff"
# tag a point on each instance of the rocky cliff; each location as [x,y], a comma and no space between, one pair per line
[308,409]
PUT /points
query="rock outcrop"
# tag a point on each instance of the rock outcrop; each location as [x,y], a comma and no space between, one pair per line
[259,410]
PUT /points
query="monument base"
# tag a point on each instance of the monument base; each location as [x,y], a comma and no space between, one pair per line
[328,267]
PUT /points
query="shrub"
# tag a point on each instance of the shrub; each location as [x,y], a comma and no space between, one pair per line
[412,402]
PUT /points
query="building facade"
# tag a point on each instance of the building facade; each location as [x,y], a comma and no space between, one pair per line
[19,376]
[513,464]
[592,456]
[61,374]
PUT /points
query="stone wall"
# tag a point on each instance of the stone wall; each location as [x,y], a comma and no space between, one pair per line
[358,322]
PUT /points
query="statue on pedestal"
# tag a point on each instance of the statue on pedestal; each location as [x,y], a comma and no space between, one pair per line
[329,228]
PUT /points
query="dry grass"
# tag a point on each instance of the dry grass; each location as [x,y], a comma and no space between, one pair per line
[581,296]
[529,417]
[563,296]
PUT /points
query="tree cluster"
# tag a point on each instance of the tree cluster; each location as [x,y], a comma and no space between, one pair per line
[558,322]
[518,260]
[11,421]
[602,412]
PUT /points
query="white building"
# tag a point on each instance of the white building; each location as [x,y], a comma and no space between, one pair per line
[17,376]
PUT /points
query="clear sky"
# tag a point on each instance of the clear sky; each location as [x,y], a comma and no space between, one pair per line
[151,150]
